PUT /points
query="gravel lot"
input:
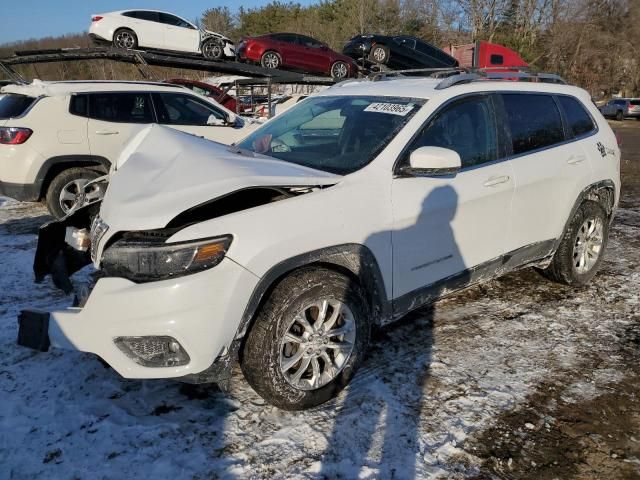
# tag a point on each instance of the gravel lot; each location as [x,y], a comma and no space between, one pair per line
[515,378]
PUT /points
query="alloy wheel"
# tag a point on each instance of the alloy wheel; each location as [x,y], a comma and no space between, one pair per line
[212,50]
[73,193]
[379,54]
[588,246]
[317,344]
[339,70]
[125,39]
[271,60]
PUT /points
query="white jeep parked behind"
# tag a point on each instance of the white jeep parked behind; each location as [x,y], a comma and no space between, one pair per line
[354,207]
[57,136]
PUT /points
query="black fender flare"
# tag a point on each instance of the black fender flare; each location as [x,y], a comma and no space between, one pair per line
[353,259]
[603,192]
[51,167]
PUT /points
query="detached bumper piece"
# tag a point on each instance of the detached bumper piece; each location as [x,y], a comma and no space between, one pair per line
[33,330]
[54,256]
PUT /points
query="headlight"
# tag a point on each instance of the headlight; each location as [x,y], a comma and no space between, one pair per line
[144,261]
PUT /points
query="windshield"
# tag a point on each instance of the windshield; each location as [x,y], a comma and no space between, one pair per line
[12,105]
[335,134]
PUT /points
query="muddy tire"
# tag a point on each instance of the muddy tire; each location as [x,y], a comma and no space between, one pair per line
[619,115]
[308,339]
[64,187]
[379,54]
[125,38]
[582,247]
[212,49]
[270,59]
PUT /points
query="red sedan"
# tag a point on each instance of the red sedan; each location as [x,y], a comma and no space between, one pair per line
[207,90]
[296,52]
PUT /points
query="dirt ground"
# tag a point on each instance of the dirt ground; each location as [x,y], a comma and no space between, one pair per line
[517,378]
[597,438]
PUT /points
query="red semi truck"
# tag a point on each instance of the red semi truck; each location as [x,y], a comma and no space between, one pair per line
[483,54]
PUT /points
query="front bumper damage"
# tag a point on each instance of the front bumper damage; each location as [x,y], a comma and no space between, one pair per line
[195,312]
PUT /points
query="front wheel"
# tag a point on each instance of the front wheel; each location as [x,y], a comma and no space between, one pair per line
[379,54]
[339,70]
[619,116]
[212,50]
[307,340]
[582,247]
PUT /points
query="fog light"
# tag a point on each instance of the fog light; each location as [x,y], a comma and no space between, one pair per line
[153,351]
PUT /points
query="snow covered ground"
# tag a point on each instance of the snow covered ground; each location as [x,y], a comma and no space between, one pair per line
[486,384]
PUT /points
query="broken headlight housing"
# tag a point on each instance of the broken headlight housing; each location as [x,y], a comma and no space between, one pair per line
[145,260]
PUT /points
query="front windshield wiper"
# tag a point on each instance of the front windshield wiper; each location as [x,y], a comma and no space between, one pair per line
[240,151]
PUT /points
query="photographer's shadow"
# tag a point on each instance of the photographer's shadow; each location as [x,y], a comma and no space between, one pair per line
[377,425]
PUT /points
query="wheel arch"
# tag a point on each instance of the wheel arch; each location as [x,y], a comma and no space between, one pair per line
[54,165]
[602,192]
[353,260]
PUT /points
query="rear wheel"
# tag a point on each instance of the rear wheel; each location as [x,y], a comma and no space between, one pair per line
[582,247]
[212,49]
[270,60]
[66,189]
[339,70]
[379,54]
[619,115]
[308,339]
[125,38]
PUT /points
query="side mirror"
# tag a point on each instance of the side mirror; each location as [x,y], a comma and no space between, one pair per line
[434,161]
[220,122]
[324,47]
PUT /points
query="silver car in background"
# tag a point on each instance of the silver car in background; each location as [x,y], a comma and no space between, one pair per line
[621,108]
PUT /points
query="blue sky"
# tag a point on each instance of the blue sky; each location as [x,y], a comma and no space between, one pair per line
[28,19]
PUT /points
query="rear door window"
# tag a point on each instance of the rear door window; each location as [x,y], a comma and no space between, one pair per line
[180,109]
[579,120]
[285,37]
[12,105]
[143,15]
[125,107]
[534,121]
[169,19]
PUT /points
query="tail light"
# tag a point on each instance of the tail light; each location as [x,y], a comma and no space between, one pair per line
[14,136]
[96,18]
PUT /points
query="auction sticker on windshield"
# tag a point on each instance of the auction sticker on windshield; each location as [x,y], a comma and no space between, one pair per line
[392,108]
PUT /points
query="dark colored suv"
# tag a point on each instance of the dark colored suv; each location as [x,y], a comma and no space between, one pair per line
[296,52]
[398,52]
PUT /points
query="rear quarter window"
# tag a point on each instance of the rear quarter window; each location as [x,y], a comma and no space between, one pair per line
[580,122]
[534,121]
[13,105]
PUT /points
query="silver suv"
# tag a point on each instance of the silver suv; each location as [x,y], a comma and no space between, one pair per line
[621,108]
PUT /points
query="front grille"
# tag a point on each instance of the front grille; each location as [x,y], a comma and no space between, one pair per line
[98,229]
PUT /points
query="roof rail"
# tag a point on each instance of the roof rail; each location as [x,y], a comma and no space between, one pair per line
[433,72]
[504,74]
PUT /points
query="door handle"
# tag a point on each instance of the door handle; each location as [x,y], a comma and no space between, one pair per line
[576,159]
[107,132]
[493,181]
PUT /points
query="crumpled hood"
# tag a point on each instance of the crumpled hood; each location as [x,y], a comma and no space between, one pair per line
[171,171]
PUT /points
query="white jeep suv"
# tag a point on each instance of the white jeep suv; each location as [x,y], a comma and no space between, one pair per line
[131,29]
[354,207]
[56,136]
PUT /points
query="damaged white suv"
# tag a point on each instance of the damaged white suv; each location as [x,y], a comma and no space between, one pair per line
[344,213]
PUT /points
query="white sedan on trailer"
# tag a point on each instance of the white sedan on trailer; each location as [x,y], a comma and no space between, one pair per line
[131,29]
